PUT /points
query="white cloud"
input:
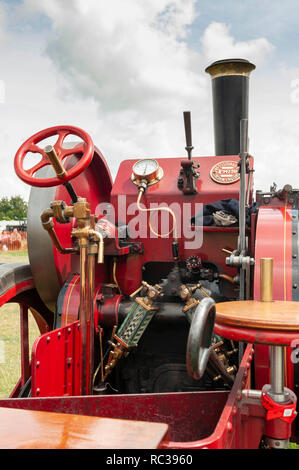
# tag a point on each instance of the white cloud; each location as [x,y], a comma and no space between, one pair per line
[123,72]
[123,54]
[274,124]
[218,43]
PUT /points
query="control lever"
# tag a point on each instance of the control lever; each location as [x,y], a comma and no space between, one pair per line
[188,174]
[187,123]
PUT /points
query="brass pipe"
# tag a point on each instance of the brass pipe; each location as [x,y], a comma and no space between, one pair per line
[100,238]
[266,279]
[165,209]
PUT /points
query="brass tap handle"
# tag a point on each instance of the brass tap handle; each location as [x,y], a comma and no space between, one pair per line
[55,161]
[226,251]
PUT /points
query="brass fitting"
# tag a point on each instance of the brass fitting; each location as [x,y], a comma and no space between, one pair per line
[61,212]
[81,212]
[266,279]
[55,161]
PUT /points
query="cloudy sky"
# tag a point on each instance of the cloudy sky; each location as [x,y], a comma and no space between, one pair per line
[125,70]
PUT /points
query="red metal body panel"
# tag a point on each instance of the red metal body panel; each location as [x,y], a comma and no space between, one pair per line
[196,420]
[259,336]
[56,362]
[166,191]
[15,290]
[273,240]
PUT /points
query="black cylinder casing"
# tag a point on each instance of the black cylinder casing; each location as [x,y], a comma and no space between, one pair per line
[230,89]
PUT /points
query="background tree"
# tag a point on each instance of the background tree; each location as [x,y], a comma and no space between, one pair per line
[14,208]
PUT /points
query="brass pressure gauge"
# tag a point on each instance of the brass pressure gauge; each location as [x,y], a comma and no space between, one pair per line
[146,170]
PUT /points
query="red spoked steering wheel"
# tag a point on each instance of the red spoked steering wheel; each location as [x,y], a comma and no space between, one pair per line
[86,148]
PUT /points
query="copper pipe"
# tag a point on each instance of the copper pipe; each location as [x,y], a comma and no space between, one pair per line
[25,367]
[47,222]
[165,209]
[266,279]
[57,244]
[227,278]
[91,274]
[114,275]
[83,311]
[46,215]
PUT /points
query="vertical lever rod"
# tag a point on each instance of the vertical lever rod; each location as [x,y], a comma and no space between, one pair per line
[187,122]
[242,197]
[242,201]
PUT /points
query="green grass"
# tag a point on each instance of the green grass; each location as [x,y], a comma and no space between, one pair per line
[14,256]
[10,370]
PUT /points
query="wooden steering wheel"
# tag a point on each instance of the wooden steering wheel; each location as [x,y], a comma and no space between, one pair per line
[85,148]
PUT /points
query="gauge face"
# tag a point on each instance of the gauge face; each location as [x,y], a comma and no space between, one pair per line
[145,168]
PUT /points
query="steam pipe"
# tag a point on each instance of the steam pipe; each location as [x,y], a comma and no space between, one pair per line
[83,311]
[47,223]
[91,275]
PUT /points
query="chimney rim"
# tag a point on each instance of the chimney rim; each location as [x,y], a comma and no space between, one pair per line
[226,67]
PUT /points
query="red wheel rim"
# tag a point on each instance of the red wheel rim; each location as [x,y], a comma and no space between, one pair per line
[86,148]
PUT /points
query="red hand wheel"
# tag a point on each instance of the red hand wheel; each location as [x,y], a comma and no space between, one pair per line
[86,148]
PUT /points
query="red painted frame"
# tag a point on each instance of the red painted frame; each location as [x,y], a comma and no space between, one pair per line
[217,420]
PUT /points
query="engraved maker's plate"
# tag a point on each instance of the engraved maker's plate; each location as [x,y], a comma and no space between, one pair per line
[225,172]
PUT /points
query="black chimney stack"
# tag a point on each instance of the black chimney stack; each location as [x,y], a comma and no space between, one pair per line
[230,85]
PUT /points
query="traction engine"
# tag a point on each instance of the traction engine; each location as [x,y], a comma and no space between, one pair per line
[167,300]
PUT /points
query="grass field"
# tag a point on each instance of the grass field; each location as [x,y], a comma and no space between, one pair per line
[10,354]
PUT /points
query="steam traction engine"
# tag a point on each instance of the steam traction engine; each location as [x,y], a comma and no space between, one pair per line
[166,301]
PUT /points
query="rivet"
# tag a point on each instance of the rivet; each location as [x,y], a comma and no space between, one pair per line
[68,330]
[295,286]
[229,426]
[37,364]
[234,411]
[294,233]
[48,339]
[59,334]
[37,391]
[294,256]
[247,365]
